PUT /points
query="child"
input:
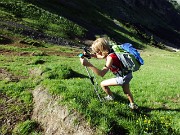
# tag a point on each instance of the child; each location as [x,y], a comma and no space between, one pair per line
[101,50]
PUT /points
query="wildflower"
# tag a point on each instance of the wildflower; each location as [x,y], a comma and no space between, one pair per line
[145,121]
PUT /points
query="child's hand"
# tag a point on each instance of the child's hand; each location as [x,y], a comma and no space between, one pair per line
[93,55]
[85,62]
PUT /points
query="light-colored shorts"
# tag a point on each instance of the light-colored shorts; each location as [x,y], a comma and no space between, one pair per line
[124,80]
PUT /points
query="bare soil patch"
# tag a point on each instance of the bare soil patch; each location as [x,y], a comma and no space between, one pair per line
[56,119]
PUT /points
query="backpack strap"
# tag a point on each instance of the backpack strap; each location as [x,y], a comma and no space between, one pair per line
[124,71]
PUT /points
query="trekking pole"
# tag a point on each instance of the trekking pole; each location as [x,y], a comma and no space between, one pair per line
[93,83]
[90,77]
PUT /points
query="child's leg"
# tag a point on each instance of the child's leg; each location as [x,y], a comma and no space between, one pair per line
[127,91]
[106,83]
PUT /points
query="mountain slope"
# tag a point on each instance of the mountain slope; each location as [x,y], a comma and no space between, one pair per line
[154,18]
[140,22]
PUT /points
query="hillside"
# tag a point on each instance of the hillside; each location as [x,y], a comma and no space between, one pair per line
[148,22]
[44,90]
[153,18]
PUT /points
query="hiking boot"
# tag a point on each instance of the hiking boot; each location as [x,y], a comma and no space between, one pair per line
[133,106]
[108,98]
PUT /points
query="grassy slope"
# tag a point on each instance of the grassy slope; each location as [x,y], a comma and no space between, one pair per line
[97,17]
[155,89]
[95,20]
[90,19]
[155,86]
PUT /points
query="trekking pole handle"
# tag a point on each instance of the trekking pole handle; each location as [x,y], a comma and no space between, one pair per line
[84,55]
[81,55]
[87,55]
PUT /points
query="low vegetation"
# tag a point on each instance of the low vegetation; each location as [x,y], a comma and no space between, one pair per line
[27,62]
[155,88]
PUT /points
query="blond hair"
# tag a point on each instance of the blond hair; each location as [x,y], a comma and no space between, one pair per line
[101,45]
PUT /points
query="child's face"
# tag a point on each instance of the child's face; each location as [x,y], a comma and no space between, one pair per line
[100,55]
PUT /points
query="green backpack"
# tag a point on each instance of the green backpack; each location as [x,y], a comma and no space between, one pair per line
[129,57]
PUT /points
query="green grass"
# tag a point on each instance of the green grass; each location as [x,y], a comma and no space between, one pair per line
[55,19]
[53,23]
[26,128]
[155,89]
[39,19]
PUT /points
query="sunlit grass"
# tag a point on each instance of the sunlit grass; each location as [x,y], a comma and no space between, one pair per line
[155,88]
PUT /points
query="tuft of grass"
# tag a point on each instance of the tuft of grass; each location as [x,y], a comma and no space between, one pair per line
[58,72]
[55,88]
[25,128]
[18,90]
[4,40]
[31,42]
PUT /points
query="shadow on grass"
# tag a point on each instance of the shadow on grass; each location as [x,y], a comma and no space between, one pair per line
[145,110]
[142,113]
[5,40]
[142,110]
[117,130]
[75,74]
[120,99]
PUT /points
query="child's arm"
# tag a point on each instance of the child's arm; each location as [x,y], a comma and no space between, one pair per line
[95,69]
[97,56]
